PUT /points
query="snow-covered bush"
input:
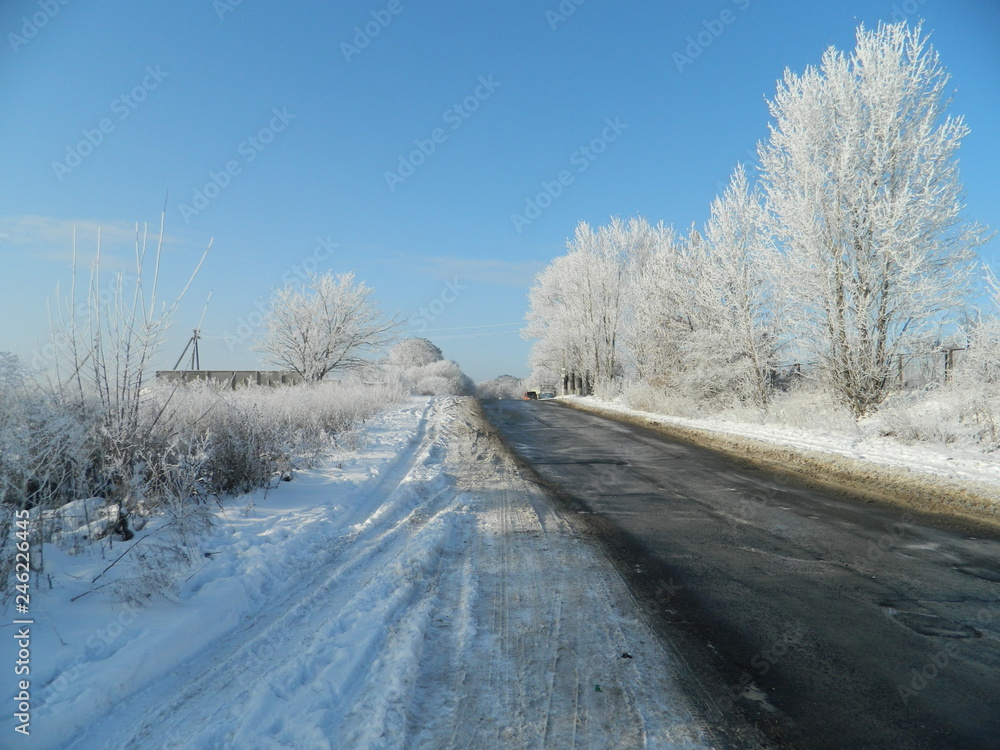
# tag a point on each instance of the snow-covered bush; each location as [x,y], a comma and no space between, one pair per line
[444,378]
[808,403]
[504,386]
[417,365]
[218,441]
[200,442]
[927,415]
[47,443]
[965,408]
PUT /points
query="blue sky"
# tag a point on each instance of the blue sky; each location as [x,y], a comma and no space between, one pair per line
[397,138]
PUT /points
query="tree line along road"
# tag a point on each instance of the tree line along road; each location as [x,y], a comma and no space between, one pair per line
[827,621]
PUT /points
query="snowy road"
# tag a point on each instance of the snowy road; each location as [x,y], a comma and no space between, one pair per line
[836,623]
[417,593]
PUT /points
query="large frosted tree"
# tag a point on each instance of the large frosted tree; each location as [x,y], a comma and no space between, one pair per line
[577,308]
[328,323]
[661,301]
[735,294]
[862,183]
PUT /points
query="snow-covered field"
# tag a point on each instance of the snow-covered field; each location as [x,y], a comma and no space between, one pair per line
[416,592]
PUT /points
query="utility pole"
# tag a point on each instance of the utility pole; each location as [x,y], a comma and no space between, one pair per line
[195,358]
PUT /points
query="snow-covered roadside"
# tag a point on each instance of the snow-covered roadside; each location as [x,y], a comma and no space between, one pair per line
[959,466]
[414,593]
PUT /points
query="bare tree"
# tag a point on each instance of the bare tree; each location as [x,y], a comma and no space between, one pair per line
[862,183]
[328,323]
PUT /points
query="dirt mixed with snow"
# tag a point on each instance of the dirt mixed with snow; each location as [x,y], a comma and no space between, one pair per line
[956,483]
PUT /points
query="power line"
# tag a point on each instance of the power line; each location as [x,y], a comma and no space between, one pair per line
[466,328]
[474,335]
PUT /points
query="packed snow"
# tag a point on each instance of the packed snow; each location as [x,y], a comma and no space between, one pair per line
[414,592]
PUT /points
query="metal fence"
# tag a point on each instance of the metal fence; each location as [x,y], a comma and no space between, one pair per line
[925,368]
[908,371]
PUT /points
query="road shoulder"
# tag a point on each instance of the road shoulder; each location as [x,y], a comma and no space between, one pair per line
[956,503]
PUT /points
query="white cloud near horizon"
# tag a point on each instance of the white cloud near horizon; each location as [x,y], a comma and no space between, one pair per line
[51,238]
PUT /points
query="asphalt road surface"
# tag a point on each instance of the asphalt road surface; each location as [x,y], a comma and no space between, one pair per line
[823,620]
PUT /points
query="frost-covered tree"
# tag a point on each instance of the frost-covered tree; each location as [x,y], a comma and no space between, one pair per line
[735,296]
[553,321]
[862,182]
[413,352]
[419,366]
[577,307]
[328,323]
[660,302]
[503,386]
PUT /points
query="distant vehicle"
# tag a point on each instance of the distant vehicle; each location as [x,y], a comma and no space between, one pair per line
[547,394]
[530,396]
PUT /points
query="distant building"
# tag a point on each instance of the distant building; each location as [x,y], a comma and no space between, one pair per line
[232,378]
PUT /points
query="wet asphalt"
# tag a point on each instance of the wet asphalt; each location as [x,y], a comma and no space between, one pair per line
[814,619]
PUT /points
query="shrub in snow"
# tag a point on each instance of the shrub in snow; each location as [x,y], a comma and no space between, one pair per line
[811,404]
[444,378]
[417,365]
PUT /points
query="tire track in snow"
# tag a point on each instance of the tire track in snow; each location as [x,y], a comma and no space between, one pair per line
[460,611]
[551,620]
[284,631]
